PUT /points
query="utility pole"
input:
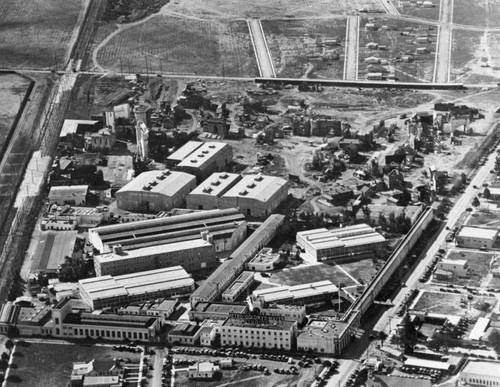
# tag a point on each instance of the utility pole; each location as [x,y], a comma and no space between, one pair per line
[147,69]
[121,67]
[161,67]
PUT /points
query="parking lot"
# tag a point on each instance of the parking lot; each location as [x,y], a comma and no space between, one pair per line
[252,369]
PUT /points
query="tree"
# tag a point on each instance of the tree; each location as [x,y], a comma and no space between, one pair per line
[382,221]
[486,193]
[382,336]
[494,340]
[475,202]
[9,344]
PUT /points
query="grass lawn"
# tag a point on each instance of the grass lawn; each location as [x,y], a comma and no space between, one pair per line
[313,273]
[363,270]
[237,375]
[43,365]
[477,13]
[485,219]
[449,304]
[431,13]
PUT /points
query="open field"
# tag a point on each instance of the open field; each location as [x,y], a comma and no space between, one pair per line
[38,33]
[399,38]
[431,13]
[263,9]
[247,378]
[363,270]
[13,88]
[42,365]
[477,13]
[181,45]
[449,304]
[474,56]
[484,218]
[312,273]
[293,48]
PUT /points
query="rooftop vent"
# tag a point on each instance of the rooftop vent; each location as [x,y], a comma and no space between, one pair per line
[153,183]
[207,189]
[259,177]
[224,176]
[243,193]
[193,160]
[166,172]
[205,152]
[212,146]
[146,188]
[201,155]
[216,182]
[251,185]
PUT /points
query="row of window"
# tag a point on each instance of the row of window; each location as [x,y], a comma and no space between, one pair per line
[109,334]
[252,344]
[482,382]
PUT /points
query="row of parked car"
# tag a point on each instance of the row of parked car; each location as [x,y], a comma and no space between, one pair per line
[430,267]
[210,352]
[406,302]
[432,374]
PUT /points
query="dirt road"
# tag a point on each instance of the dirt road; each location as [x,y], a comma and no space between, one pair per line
[264,61]
[351,60]
[443,54]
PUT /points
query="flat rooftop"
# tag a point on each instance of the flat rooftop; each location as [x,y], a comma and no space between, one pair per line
[265,256]
[219,307]
[239,283]
[323,328]
[484,368]
[477,232]
[70,126]
[283,325]
[258,187]
[275,294]
[137,283]
[110,319]
[204,154]
[322,238]
[152,250]
[184,151]
[216,184]
[165,182]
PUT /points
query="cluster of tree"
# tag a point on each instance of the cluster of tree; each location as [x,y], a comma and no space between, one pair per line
[494,340]
[400,224]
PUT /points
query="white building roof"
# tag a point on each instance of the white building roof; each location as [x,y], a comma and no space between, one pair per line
[476,232]
[137,283]
[70,126]
[76,190]
[480,327]
[437,365]
[165,182]
[356,235]
[217,184]
[152,250]
[296,292]
[483,368]
[456,262]
[203,155]
[258,187]
[184,151]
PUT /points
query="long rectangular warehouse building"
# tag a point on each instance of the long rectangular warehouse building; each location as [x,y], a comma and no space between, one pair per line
[358,241]
[101,292]
[191,255]
[226,229]
[232,267]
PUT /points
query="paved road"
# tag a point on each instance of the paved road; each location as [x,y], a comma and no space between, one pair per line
[443,51]
[351,50]
[454,215]
[261,50]
[389,6]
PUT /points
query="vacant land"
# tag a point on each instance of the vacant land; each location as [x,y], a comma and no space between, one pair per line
[484,218]
[247,378]
[38,33]
[296,51]
[42,365]
[264,9]
[477,13]
[363,271]
[449,304]
[431,13]
[312,273]
[398,39]
[13,88]
[474,56]
[181,45]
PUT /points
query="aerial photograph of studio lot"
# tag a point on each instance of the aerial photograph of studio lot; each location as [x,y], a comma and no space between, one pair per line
[267,193]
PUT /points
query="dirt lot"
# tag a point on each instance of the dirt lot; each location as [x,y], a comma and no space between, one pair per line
[484,218]
[449,303]
[42,365]
[474,57]
[398,45]
[431,13]
[193,46]
[293,48]
[276,9]
[13,88]
[37,34]
[248,378]
[477,13]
